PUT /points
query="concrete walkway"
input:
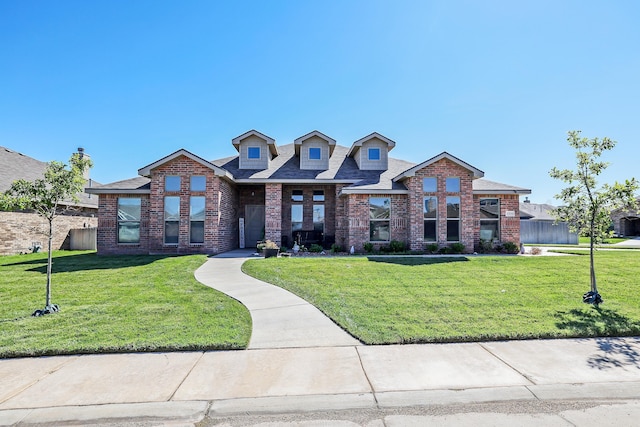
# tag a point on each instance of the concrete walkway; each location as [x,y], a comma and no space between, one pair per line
[280,318]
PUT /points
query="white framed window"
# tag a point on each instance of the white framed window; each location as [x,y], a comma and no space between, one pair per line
[171,183]
[171,220]
[379,216]
[374,153]
[490,219]
[430,210]
[253,152]
[296,217]
[129,212]
[198,183]
[196,219]
[315,153]
[453,218]
[453,185]
[430,185]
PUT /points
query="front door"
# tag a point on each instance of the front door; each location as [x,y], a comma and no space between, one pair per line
[253,225]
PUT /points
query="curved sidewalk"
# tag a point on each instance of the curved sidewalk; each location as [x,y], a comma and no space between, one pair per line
[280,318]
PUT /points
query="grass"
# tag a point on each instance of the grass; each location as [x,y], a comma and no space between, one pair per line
[607,241]
[114,304]
[416,300]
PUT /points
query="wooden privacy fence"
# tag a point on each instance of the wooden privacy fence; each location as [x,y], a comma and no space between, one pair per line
[83,239]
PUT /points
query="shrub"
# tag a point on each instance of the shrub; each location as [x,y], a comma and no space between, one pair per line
[444,250]
[511,248]
[432,248]
[457,248]
[315,248]
[397,246]
[368,247]
[485,246]
[335,248]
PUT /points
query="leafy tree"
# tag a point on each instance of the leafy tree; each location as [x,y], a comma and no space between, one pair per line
[587,208]
[48,197]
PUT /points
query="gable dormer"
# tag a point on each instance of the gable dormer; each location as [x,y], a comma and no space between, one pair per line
[314,150]
[255,150]
[372,152]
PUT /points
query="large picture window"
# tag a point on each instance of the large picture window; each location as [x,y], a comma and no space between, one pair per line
[489,219]
[453,218]
[196,219]
[171,220]
[379,215]
[430,219]
[129,211]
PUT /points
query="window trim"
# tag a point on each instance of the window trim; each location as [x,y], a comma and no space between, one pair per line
[165,221]
[458,218]
[204,187]
[495,220]
[434,220]
[166,179]
[379,220]
[447,184]
[252,148]
[374,150]
[435,181]
[128,221]
[319,151]
[191,220]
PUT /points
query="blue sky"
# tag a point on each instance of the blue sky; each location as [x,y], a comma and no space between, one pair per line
[495,83]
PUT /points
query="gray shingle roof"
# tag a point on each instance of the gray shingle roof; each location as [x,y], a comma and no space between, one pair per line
[15,166]
[484,185]
[342,169]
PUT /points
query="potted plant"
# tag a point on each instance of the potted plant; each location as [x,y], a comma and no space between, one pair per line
[270,249]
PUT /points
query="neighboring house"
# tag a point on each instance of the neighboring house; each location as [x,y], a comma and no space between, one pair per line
[625,222]
[20,230]
[310,191]
[538,225]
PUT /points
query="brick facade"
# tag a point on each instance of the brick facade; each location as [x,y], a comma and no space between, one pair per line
[20,229]
[220,227]
[347,208]
[441,170]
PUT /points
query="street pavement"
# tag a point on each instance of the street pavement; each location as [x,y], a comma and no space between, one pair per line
[330,380]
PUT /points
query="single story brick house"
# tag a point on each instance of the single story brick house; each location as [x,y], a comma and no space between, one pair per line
[310,191]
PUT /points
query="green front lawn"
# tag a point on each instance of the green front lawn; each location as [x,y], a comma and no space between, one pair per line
[114,304]
[413,300]
[607,241]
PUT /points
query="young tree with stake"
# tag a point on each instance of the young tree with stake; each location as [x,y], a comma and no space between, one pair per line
[48,197]
[587,208]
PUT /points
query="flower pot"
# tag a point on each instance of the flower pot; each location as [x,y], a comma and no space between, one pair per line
[268,253]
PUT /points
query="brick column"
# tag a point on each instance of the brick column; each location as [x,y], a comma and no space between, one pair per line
[273,213]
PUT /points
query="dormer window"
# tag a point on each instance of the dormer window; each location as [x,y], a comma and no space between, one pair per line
[315,153]
[253,152]
[371,152]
